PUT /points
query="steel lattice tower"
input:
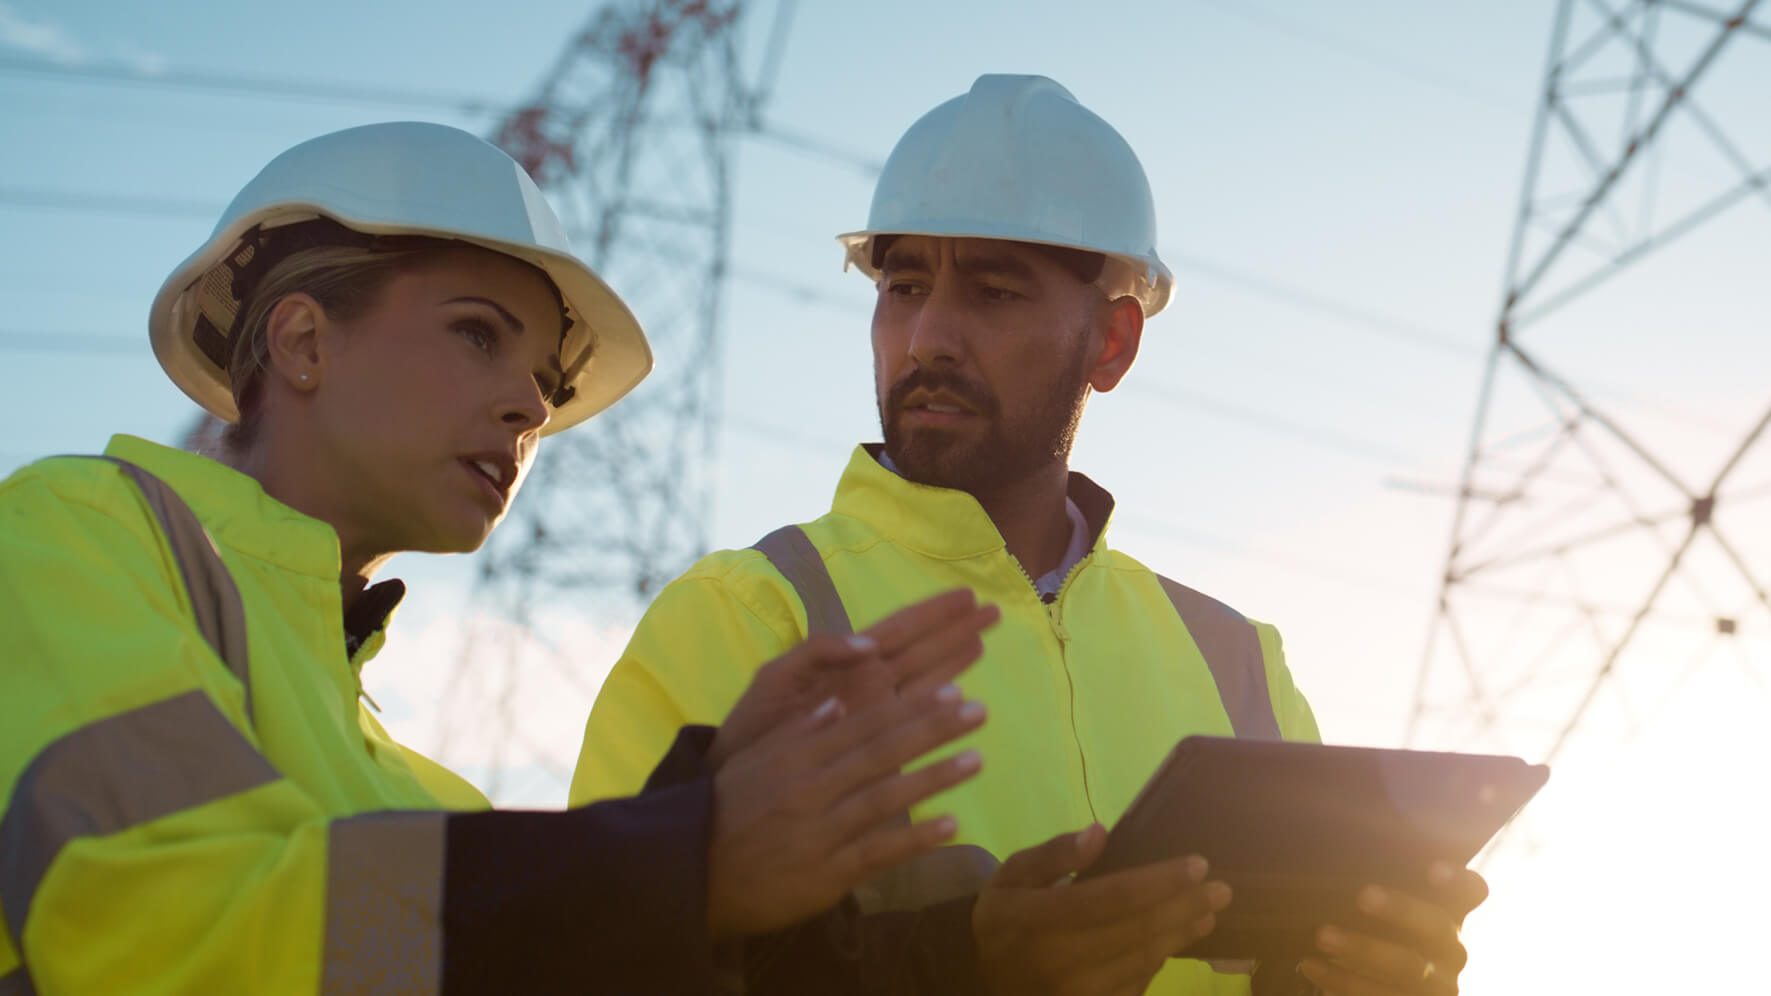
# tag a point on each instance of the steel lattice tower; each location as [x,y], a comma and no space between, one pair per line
[632,137]
[1603,552]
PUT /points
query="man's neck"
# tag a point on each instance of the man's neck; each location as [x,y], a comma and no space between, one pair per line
[1033,518]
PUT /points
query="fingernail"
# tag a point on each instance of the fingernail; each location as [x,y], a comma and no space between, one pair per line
[1330,940]
[1441,873]
[861,643]
[827,708]
[1204,924]
[1373,899]
[948,693]
[946,826]
[1218,895]
[971,712]
[1197,867]
[971,760]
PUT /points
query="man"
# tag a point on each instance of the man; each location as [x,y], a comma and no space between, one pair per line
[1012,239]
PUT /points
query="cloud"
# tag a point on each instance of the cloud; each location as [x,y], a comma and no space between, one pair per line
[52,42]
[41,38]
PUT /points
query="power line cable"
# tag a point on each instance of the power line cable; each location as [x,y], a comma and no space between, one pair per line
[257,86]
[72,342]
[40,199]
[118,74]
[1253,13]
[1322,305]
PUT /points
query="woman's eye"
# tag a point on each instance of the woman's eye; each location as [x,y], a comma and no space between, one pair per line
[482,335]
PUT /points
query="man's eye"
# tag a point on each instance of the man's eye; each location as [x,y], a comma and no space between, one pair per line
[1000,294]
[904,288]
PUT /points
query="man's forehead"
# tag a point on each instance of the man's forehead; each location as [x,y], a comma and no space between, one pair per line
[968,252]
[1028,260]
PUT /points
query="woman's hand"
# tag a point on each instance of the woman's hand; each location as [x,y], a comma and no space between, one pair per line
[812,809]
[924,646]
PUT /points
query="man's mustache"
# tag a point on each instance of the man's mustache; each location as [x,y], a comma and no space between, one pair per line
[968,392]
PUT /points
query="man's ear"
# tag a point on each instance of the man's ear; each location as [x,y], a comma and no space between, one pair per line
[1121,323]
[292,339]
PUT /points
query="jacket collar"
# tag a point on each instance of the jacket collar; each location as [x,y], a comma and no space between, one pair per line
[236,510]
[239,515]
[942,522]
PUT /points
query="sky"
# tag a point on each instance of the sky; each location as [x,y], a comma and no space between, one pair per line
[1337,189]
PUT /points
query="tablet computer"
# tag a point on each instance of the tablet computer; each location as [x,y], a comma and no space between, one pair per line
[1296,829]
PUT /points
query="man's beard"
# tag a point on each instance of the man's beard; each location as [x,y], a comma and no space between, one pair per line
[1007,452]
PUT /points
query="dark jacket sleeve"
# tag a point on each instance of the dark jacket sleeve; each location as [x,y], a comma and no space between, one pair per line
[928,952]
[610,897]
[686,760]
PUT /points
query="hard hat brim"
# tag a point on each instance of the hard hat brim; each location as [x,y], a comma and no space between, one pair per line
[1154,282]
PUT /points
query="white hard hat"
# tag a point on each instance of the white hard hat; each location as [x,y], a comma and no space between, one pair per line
[1018,158]
[398,178]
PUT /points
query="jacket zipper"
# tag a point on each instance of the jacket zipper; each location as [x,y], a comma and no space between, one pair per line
[1054,616]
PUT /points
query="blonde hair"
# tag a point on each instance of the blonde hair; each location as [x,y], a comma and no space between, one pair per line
[345,280]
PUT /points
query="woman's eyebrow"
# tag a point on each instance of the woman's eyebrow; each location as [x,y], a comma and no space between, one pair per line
[515,324]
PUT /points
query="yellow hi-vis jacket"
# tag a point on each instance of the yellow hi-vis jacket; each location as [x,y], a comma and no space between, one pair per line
[165,832]
[1087,692]
[196,802]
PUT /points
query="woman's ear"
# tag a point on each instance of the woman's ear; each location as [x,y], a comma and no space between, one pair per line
[1122,330]
[292,339]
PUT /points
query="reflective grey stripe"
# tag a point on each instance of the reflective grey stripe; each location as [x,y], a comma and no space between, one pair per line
[215,599]
[114,774]
[1228,641]
[942,874]
[792,553]
[16,983]
[384,904]
[1232,649]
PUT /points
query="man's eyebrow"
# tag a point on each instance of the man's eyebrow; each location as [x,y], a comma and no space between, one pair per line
[515,324]
[904,259]
[995,264]
[972,265]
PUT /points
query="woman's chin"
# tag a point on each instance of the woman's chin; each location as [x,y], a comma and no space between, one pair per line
[455,537]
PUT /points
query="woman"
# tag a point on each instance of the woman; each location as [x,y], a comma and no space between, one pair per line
[196,801]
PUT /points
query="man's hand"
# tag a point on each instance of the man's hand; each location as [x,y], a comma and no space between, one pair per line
[1359,965]
[1039,933]
[922,647]
[810,811]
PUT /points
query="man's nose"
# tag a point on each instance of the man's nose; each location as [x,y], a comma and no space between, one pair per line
[937,335]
